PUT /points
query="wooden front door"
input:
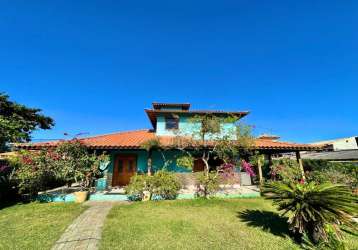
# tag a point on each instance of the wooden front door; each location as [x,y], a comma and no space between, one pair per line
[125,166]
[199,165]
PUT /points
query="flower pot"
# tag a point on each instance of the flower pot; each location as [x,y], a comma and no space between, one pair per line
[147,196]
[81,196]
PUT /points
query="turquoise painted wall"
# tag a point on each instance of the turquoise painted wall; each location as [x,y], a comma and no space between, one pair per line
[141,159]
[170,156]
[187,127]
[157,160]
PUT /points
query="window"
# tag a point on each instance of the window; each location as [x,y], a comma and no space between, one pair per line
[171,123]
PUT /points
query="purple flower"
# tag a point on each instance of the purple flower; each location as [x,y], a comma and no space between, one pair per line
[247,167]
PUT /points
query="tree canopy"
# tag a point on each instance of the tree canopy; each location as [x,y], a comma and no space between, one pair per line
[17,121]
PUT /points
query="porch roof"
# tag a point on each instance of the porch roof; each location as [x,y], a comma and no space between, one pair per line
[134,139]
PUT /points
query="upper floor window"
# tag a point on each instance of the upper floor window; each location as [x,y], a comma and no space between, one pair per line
[171,123]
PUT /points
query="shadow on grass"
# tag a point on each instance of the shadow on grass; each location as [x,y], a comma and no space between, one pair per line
[266,220]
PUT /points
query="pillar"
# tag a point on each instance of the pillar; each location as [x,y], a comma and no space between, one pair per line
[300,163]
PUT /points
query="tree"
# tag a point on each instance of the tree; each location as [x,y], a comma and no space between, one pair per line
[209,140]
[313,208]
[17,121]
[75,164]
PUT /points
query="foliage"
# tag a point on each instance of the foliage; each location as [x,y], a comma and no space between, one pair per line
[209,125]
[336,172]
[208,143]
[208,184]
[247,167]
[312,206]
[286,170]
[162,184]
[74,164]
[186,161]
[227,173]
[257,158]
[244,138]
[34,171]
[332,175]
[165,185]
[69,162]
[138,185]
[151,144]
[333,241]
[18,121]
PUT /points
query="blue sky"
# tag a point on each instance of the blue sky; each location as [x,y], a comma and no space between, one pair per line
[95,65]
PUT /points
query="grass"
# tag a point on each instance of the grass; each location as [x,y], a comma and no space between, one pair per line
[197,224]
[35,225]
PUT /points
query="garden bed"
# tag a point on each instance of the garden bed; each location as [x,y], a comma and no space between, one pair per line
[117,194]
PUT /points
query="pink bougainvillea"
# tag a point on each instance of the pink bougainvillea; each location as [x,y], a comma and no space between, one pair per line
[227,170]
[247,167]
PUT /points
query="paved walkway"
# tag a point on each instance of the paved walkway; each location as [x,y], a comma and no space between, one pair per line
[85,231]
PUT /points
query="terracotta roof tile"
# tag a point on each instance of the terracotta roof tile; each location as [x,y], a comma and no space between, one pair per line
[134,139]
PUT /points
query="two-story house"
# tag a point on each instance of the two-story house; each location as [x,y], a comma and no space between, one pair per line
[168,120]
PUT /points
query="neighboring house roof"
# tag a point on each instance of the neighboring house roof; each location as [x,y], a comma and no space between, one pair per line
[153,113]
[134,139]
[269,137]
[343,155]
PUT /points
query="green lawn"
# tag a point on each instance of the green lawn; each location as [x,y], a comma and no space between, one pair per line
[35,225]
[196,224]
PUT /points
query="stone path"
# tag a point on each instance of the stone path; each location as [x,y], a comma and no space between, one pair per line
[85,231]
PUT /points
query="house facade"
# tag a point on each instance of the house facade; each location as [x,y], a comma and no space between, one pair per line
[168,121]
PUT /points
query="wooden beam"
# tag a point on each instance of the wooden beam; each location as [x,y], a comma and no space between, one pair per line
[300,163]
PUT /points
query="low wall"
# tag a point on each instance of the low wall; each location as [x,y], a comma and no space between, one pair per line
[123,197]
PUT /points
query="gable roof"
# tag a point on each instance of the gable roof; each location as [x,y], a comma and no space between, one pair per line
[134,139]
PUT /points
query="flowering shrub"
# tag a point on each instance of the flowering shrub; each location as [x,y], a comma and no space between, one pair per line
[34,171]
[74,164]
[286,170]
[69,162]
[247,167]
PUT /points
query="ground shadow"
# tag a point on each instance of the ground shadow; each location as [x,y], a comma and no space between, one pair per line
[266,220]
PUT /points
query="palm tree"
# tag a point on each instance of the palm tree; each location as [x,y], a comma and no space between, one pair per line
[311,206]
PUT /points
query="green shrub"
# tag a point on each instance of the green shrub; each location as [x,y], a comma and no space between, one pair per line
[165,185]
[286,170]
[313,207]
[33,171]
[335,172]
[162,185]
[208,184]
[138,184]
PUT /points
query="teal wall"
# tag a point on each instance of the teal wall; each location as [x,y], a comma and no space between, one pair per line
[141,159]
[187,127]
[157,160]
